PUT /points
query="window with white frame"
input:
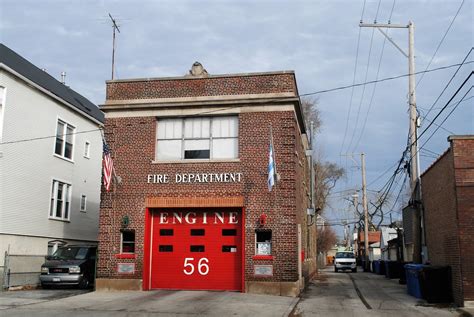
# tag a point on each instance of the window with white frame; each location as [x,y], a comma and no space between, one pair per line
[87,149]
[204,138]
[60,200]
[2,103]
[64,139]
[83,202]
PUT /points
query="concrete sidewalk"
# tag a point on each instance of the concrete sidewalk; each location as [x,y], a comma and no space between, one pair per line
[154,303]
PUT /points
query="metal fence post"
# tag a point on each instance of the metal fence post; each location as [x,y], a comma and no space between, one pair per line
[5,270]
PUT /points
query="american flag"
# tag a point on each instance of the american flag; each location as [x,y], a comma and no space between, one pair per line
[108,166]
[271,164]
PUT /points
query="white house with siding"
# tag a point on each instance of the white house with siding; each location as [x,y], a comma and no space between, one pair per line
[50,161]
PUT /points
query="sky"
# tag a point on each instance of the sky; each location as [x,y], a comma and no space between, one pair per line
[320,40]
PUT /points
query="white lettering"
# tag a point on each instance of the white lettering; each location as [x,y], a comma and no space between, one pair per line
[192,220]
[233,218]
[220,216]
[232,177]
[191,178]
[218,177]
[149,178]
[204,178]
[166,179]
[204,218]
[198,178]
[163,217]
[226,177]
[178,178]
[178,217]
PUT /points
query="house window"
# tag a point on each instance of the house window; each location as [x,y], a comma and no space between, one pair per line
[128,241]
[83,202]
[64,139]
[87,149]
[60,201]
[263,242]
[197,138]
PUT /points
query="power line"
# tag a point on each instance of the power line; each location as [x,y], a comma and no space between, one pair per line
[365,78]
[383,79]
[46,137]
[445,106]
[424,118]
[449,114]
[449,82]
[353,82]
[441,42]
[375,84]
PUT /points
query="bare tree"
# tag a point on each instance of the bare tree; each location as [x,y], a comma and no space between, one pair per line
[326,239]
[311,113]
[327,174]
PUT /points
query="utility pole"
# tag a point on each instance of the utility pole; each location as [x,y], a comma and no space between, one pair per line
[366,214]
[114,27]
[366,210]
[415,184]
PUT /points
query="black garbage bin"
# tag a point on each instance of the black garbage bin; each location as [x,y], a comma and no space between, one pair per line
[392,269]
[435,284]
[403,276]
[382,268]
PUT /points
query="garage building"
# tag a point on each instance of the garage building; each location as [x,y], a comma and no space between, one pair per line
[190,207]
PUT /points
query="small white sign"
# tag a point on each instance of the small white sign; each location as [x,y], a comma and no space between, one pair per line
[263,270]
[126,268]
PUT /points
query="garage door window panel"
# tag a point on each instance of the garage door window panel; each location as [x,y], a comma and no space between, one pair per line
[165,248]
[229,232]
[197,248]
[198,232]
[166,232]
[229,248]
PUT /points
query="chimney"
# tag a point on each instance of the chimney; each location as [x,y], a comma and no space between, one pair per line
[63,78]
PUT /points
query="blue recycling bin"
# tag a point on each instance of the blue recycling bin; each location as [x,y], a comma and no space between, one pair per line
[413,279]
[377,266]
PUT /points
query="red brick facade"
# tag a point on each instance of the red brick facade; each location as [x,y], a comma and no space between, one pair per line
[448,200]
[133,141]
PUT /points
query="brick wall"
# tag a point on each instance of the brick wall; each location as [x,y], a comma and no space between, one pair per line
[439,201]
[264,83]
[132,141]
[463,153]
[448,198]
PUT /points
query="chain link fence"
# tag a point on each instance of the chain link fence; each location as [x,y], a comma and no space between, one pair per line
[21,270]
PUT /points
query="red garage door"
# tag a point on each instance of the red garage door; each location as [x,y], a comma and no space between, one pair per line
[198,249]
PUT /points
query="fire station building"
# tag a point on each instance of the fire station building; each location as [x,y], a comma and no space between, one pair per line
[190,207]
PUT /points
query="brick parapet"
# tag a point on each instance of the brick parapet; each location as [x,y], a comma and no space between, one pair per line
[248,84]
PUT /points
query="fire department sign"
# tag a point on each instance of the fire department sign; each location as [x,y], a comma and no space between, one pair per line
[183,178]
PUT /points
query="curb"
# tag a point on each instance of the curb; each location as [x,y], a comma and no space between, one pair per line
[292,307]
[464,313]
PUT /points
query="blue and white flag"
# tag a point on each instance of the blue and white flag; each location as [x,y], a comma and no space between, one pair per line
[271,165]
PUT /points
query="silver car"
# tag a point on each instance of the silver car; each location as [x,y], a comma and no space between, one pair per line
[345,261]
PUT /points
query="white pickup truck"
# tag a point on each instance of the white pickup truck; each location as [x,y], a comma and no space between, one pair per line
[345,260]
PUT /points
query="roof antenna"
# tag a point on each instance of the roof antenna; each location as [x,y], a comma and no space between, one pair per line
[63,78]
[114,27]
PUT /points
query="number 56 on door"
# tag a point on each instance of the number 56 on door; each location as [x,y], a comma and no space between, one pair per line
[202,266]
